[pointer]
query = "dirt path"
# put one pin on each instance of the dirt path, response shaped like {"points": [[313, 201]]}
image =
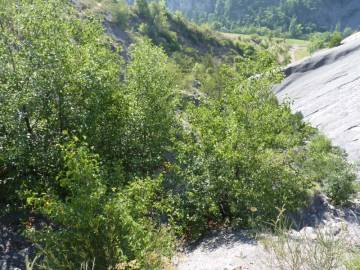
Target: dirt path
{"points": [[297, 52]]}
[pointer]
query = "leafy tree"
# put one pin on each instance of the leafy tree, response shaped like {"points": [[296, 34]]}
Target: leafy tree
{"points": [[142, 8], [53, 86], [229, 154], [295, 29], [119, 10], [277, 16], [135, 132], [244, 155], [238, 160], [335, 39], [151, 81], [327, 166], [57, 75], [95, 229], [159, 13], [325, 40]]}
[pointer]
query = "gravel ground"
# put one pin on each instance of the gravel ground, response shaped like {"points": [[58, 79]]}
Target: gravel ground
{"points": [[225, 250], [14, 247], [236, 250]]}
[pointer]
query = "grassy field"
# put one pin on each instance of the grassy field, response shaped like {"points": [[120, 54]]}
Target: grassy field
{"points": [[299, 42], [297, 48], [301, 53]]}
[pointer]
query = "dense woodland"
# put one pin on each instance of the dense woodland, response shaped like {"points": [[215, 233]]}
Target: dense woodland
{"points": [[125, 149], [296, 18]]}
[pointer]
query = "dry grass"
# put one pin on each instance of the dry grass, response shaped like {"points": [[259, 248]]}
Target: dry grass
{"points": [[330, 247], [310, 252]]}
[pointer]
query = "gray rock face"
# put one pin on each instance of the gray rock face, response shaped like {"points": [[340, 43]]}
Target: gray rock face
{"points": [[13, 250], [14, 247], [325, 88]]}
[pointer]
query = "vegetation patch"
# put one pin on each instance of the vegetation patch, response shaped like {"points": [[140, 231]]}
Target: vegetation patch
{"points": [[120, 161]]}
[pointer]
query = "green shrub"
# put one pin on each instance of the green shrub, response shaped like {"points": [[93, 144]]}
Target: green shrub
{"points": [[142, 8], [325, 40], [243, 155], [119, 10], [70, 77], [335, 40], [151, 84], [157, 27], [246, 48], [328, 166], [233, 158], [237, 163], [112, 230]]}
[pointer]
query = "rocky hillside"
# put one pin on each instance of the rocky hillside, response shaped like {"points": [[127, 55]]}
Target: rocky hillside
{"points": [[174, 33]]}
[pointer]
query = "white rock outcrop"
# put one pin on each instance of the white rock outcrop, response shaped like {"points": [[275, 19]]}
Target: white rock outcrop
{"points": [[325, 88]]}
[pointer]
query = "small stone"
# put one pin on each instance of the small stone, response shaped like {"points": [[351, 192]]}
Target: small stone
{"points": [[308, 233]]}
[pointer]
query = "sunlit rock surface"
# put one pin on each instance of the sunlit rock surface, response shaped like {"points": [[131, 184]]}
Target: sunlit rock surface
{"points": [[325, 88]]}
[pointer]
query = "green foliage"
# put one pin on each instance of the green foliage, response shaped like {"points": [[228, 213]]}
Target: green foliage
{"points": [[318, 41], [116, 11], [57, 73], [119, 11], [295, 18], [174, 33], [142, 8], [135, 130], [295, 29], [228, 155], [354, 262], [111, 231], [151, 83], [243, 155], [238, 159], [328, 166], [325, 40], [335, 39], [156, 24], [53, 85]]}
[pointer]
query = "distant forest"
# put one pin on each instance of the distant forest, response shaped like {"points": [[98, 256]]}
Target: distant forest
{"points": [[295, 17]]}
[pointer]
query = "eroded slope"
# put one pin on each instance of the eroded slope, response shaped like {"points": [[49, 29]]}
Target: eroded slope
{"points": [[325, 88]]}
